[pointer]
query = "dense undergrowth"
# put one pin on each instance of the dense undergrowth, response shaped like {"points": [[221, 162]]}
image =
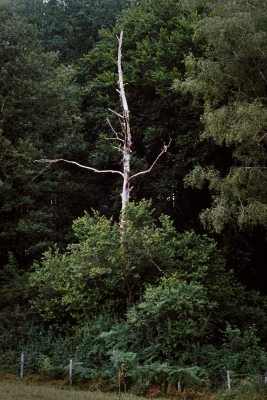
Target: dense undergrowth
{"points": [[100, 348], [160, 302]]}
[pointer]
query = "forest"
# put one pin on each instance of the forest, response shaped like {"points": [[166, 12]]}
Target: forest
{"points": [[180, 293]]}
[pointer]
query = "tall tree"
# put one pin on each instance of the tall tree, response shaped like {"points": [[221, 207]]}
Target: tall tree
{"points": [[39, 113], [123, 137], [231, 77], [157, 37]]}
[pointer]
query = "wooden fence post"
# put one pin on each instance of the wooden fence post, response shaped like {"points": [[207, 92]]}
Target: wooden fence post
{"points": [[121, 379], [22, 365], [228, 380], [70, 372]]}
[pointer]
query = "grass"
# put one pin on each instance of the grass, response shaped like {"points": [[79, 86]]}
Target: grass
{"points": [[16, 389], [12, 388]]}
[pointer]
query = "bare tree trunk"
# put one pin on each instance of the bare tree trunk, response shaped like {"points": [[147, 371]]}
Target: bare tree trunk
{"points": [[127, 143], [126, 129]]}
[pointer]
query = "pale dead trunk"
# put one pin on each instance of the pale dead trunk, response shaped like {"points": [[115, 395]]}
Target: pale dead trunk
{"points": [[125, 139], [125, 142], [126, 130]]}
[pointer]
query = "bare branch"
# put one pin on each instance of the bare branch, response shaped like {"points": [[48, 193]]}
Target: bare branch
{"points": [[153, 262], [262, 137], [259, 168], [40, 173], [113, 59], [118, 148], [113, 130], [114, 112], [164, 149], [3, 105], [263, 77], [79, 165], [114, 138]]}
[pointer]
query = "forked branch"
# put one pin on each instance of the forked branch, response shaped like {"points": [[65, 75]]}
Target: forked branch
{"points": [[163, 150]]}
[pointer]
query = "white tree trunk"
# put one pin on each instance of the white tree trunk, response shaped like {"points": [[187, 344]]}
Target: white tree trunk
{"points": [[127, 143], [126, 130]]}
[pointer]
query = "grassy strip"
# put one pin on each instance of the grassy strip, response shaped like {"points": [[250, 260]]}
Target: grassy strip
{"points": [[18, 390]]}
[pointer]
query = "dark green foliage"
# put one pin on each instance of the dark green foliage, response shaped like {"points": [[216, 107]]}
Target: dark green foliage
{"points": [[171, 318], [104, 343], [104, 269], [178, 293], [101, 268], [70, 28], [231, 79], [43, 351], [166, 303], [242, 352], [39, 118]]}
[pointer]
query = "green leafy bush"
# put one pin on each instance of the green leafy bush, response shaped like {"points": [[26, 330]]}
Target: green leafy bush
{"points": [[171, 316]]}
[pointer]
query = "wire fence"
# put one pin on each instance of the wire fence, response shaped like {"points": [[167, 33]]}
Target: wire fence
{"points": [[228, 377]]}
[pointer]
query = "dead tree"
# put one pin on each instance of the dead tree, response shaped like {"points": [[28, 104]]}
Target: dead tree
{"points": [[124, 138]]}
